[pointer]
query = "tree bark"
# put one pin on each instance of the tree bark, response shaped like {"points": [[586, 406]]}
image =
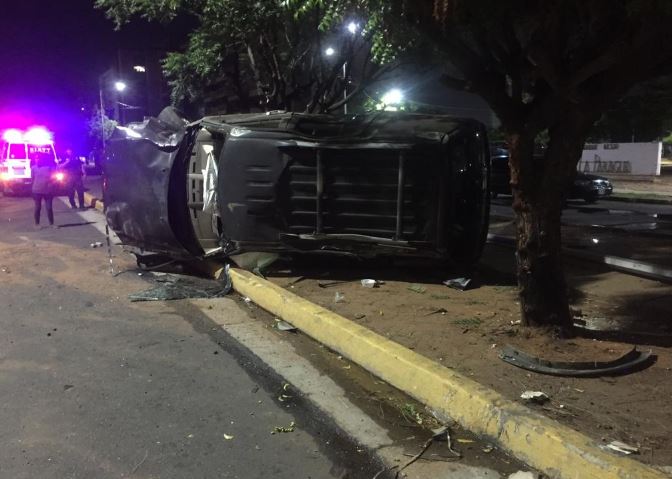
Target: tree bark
{"points": [[539, 187]]}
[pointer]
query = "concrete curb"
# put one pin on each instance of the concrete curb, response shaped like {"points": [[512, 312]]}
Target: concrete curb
{"points": [[94, 202], [544, 444]]}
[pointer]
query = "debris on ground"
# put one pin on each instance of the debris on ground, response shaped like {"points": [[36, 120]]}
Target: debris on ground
{"points": [[228, 437], [281, 325], [443, 434], [371, 283], [437, 311], [281, 429], [339, 297], [524, 475], [256, 262], [630, 362], [622, 447], [329, 284], [96, 244], [458, 283], [295, 281], [417, 288], [537, 397], [176, 286]]}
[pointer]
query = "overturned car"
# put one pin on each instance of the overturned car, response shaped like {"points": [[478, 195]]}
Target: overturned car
{"points": [[380, 184]]}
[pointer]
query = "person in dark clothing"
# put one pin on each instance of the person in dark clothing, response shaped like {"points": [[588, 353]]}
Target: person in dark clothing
{"points": [[43, 170], [75, 171]]}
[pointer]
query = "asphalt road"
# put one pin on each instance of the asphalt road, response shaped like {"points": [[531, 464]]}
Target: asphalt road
{"points": [[632, 217], [95, 386]]}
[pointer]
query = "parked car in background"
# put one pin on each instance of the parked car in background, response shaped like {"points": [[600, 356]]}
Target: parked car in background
{"points": [[380, 184], [587, 187]]}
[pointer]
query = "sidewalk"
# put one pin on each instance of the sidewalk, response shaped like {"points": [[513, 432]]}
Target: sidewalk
{"points": [[657, 190]]}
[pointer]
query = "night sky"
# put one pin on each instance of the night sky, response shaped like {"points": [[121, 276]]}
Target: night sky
{"points": [[51, 56]]}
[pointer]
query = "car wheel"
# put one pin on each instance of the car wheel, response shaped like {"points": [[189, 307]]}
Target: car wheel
{"points": [[590, 199]]}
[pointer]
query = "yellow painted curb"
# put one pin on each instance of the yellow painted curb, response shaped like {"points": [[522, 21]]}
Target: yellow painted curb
{"points": [[89, 199], [550, 447]]}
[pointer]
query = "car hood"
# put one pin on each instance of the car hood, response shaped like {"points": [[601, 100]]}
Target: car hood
{"points": [[589, 177]]}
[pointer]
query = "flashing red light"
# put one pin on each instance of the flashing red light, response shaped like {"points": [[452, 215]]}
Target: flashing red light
{"points": [[12, 136], [59, 177], [36, 136]]}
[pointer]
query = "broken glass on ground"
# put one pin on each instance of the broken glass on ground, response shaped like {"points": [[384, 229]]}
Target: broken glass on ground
{"points": [[178, 286]]}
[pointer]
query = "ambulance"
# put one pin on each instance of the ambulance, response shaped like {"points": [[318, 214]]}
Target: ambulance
{"points": [[18, 151]]}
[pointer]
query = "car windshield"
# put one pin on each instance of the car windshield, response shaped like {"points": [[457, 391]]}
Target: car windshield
{"points": [[495, 151], [17, 151]]}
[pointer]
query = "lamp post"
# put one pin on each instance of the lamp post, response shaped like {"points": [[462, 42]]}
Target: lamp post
{"points": [[119, 86], [331, 52], [352, 28]]}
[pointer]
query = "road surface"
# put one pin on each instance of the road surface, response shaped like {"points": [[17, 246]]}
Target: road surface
{"points": [[93, 385]]}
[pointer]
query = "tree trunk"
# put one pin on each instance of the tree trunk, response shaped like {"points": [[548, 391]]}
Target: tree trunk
{"points": [[539, 188]]}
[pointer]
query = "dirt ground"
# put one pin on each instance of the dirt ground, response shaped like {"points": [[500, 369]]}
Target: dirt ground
{"points": [[465, 330]]}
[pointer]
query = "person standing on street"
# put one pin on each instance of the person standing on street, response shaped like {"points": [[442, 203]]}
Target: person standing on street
{"points": [[43, 170], [74, 169]]}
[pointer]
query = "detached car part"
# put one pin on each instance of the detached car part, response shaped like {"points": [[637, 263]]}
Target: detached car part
{"points": [[380, 184], [633, 360]]}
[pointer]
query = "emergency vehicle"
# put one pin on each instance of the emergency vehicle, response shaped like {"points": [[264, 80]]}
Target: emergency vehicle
{"points": [[18, 151]]}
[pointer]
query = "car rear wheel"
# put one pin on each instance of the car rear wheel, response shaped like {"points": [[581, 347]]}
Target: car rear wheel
{"points": [[590, 199]]}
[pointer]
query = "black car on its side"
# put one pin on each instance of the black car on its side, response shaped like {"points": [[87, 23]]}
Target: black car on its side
{"points": [[377, 184], [587, 187]]}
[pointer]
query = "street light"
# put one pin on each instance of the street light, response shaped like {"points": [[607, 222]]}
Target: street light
{"points": [[352, 27], [393, 97], [119, 86], [330, 52]]}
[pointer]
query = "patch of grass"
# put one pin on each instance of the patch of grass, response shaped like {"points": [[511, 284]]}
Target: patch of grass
{"points": [[417, 288], [504, 289], [470, 322], [411, 414]]}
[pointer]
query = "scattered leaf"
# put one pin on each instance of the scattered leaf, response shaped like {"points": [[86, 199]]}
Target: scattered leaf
{"points": [[282, 429]]}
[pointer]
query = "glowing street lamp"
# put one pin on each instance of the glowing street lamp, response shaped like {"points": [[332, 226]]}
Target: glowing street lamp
{"points": [[119, 86], [330, 52], [352, 27], [393, 97]]}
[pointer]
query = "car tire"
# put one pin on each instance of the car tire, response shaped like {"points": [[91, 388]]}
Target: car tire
{"points": [[590, 199]]}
